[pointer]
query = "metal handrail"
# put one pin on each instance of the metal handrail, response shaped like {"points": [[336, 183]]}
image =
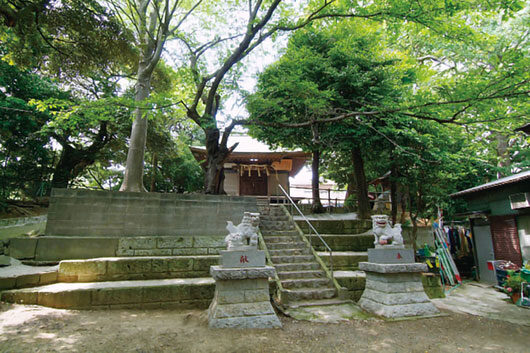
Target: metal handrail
{"points": [[311, 228]]}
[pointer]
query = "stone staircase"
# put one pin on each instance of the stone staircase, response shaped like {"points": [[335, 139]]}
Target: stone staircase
{"points": [[301, 277], [350, 241], [118, 282]]}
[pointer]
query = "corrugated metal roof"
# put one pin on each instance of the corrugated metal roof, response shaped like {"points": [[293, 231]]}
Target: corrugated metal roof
{"points": [[493, 184]]}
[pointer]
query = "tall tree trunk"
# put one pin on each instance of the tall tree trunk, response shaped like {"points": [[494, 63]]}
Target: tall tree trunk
{"points": [[315, 187], [154, 164], [134, 168], [216, 156], [71, 163], [502, 154], [152, 30], [363, 203]]}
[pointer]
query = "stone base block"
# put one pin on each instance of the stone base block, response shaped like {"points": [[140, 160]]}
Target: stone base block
{"points": [[397, 255], [393, 292], [242, 258], [242, 315], [398, 311], [221, 273], [392, 268], [242, 298], [259, 321]]}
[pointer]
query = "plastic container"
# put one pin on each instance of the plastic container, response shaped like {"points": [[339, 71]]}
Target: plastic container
{"points": [[525, 274]]}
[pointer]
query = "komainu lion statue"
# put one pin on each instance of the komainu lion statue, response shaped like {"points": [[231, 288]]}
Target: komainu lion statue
{"points": [[245, 234], [384, 233]]}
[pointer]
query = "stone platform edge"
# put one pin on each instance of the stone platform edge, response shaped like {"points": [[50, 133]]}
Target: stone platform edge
{"points": [[392, 268], [223, 273]]}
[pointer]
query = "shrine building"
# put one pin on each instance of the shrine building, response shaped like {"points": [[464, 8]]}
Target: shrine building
{"points": [[254, 170]]}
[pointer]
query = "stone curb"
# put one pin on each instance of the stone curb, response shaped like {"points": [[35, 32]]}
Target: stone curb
{"points": [[392, 268], [218, 272]]}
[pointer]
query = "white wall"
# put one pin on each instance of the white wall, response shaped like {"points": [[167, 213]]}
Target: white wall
{"points": [[231, 183]]}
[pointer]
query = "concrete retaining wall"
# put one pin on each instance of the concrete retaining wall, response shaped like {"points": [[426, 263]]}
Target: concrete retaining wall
{"points": [[90, 213], [50, 248]]}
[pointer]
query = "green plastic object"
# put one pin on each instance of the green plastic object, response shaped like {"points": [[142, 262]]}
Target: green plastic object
{"points": [[525, 274]]}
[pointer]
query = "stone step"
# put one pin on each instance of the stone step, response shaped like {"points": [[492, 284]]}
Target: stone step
{"points": [[272, 225], [295, 295], [292, 259], [281, 233], [301, 274], [272, 209], [306, 283], [300, 266], [290, 252], [27, 276], [287, 245], [343, 242], [321, 302], [336, 226], [272, 212], [275, 215], [136, 268], [189, 292], [269, 239], [344, 260], [351, 282]]}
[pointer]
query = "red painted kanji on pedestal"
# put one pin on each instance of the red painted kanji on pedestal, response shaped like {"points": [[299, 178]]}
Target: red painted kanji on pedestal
{"points": [[243, 259]]}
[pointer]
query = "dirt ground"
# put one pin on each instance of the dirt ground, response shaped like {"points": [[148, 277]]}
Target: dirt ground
{"points": [[39, 329]]}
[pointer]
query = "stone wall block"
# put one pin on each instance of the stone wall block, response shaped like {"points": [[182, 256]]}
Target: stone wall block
{"points": [[117, 296], [258, 295], [397, 311], [393, 278], [20, 297], [157, 294], [209, 242], [22, 248], [153, 252], [124, 252], [230, 297], [191, 251], [174, 242], [65, 300], [180, 264], [179, 293], [263, 321], [160, 265], [27, 280], [7, 283], [214, 251], [137, 243], [71, 268], [395, 298], [235, 284], [129, 266], [395, 287], [204, 263], [202, 292]]}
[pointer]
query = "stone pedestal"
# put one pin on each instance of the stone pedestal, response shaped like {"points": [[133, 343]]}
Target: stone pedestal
{"points": [[242, 258], [395, 290], [242, 298]]}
